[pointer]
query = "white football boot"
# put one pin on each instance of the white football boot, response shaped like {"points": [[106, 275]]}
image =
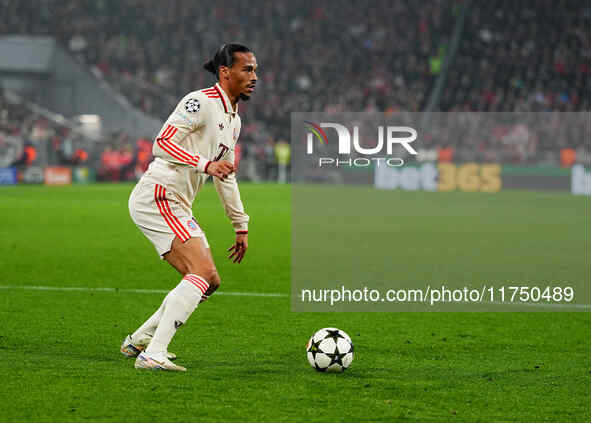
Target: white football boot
{"points": [[146, 361], [132, 350]]}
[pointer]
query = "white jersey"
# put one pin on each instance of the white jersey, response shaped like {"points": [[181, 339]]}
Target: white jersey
{"points": [[202, 128]]}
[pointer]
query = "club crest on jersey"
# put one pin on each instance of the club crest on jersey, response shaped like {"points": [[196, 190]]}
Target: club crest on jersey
{"points": [[192, 105], [192, 225], [221, 125]]}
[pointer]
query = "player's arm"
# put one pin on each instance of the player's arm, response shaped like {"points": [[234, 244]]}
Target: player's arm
{"points": [[229, 195], [187, 117]]}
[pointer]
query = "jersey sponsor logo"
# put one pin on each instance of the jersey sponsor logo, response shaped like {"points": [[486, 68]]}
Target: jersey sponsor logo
{"points": [[192, 225], [192, 105]]}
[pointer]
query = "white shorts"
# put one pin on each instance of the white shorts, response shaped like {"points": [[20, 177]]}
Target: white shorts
{"points": [[160, 216]]}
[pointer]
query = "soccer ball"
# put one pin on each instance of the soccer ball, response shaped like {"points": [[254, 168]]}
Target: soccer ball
{"points": [[330, 350]]}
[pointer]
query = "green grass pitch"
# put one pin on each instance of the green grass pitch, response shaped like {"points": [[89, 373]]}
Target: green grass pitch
{"points": [[59, 349]]}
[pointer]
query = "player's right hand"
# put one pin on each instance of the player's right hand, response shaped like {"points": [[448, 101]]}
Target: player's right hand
{"points": [[221, 169]]}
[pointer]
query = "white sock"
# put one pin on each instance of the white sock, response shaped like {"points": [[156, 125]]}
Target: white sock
{"points": [[146, 330], [180, 303]]}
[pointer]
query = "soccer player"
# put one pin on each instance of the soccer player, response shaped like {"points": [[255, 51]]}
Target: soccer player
{"points": [[197, 140]]}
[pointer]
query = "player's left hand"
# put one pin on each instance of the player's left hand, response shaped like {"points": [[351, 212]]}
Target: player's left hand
{"points": [[239, 248]]}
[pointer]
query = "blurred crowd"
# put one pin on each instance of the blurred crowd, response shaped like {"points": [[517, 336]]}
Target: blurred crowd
{"points": [[328, 56], [542, 138], [29, 139], [523, 56], [313, 55]]}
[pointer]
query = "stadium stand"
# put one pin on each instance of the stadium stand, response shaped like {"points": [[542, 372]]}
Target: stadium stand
{"points": [[345, 50], [334, 56], [523, 56]]}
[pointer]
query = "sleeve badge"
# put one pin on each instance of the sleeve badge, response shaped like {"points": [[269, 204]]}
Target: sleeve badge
{"points": [[192, 105]]}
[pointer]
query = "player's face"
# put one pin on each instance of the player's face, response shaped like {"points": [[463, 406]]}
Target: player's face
{"points": [[243, 77]]}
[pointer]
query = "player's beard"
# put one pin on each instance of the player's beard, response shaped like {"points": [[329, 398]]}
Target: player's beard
{"points": [[244, 97]]}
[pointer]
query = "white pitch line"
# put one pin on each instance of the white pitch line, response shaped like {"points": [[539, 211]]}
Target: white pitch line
{"points": [[247, 294], [135, 291]]}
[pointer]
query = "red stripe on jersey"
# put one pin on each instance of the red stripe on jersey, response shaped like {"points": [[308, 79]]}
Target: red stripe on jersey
{"points": [[171, 134], [159, 195], [173, 218], [165, 136], [156, 199], [170, 149], [176, 220], [166, 131], [208, 90], [193, 159], [173, 149], [163, 133], [222, 97]]}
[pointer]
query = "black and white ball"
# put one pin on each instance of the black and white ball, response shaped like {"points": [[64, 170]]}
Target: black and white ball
{"points": [[330, 350]]}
